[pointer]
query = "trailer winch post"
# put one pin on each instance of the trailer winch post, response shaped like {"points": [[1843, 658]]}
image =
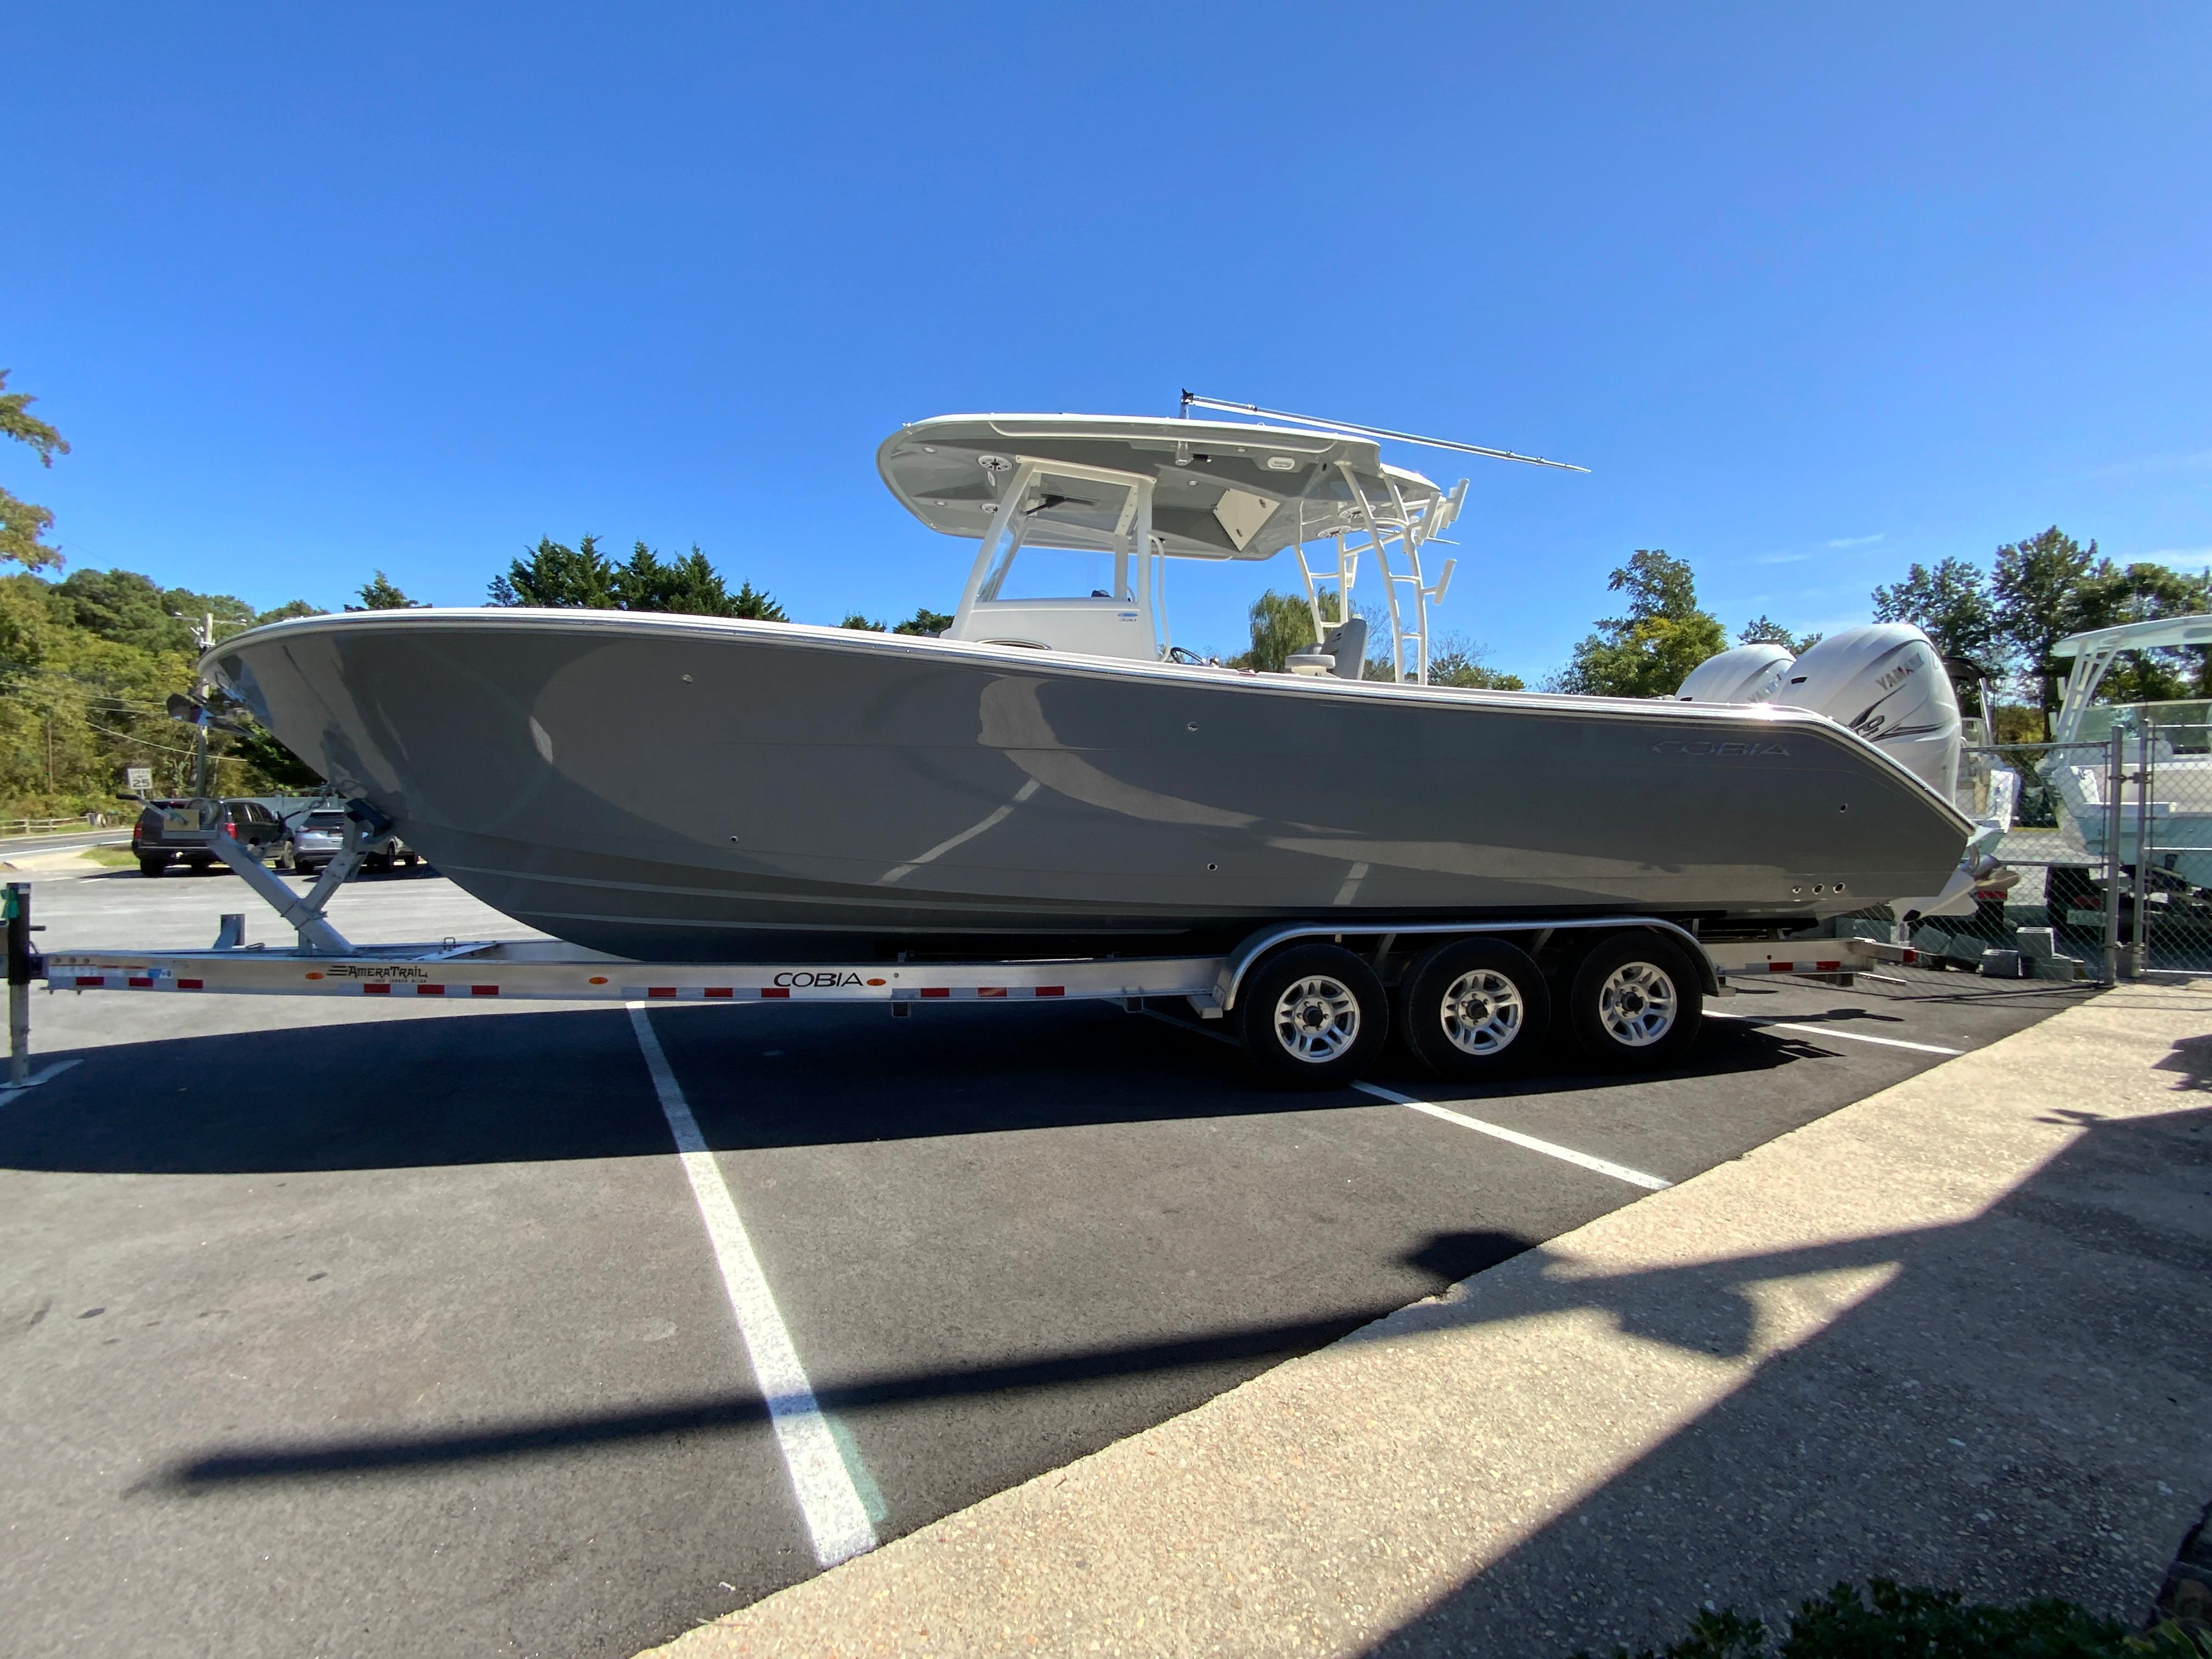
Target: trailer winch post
{"points": [[22, 968]]}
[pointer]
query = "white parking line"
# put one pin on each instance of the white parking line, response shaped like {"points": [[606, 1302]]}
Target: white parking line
{"points": [[1831, 1031], [836, 1519], [1514, 1137]]}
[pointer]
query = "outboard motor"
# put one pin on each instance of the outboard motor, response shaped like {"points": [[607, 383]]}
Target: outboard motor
{"points": [[1750, 673], [1885, 682]]}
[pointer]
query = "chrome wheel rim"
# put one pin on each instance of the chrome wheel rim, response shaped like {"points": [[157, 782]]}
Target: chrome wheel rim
{"points": [[1639, 1005], [1316, 1019], [1483, 1012]]}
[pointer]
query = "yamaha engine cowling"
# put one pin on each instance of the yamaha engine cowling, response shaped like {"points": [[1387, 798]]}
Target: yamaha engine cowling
{"points": [[1885, 682]]}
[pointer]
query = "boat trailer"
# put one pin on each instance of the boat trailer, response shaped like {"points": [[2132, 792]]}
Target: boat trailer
{"points": [[324, 963]]}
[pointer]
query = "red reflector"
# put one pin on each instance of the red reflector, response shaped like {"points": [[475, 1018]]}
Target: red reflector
{"points": [[937, 990], [141, 984], [660, 990], [1779, 968], [375, 987], [775, 991], [188, 984], [91, 979], [1827, 967], [1051, 990], [720, 990], [484, 990], [990, 990], [430, 990]]}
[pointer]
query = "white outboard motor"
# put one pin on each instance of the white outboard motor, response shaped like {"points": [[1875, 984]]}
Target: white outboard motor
{"points": [[1749, 673], [1887, 683]]}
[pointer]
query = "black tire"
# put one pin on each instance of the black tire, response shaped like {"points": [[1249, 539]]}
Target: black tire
{"points": [[152, 866], [1475, 1010], [1313, 1017], [1635, 1001], [199, 867], [286, 858]]}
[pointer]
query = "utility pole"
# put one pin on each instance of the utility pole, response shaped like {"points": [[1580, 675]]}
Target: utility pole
{"points": [[200, 694]]}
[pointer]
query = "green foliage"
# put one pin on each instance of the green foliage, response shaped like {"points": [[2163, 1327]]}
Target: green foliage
{"points": [[558, 577], [23, 524], [1281, 623], [378, 593], [1764, 630], [583, 578], [1951, 604], [1891, 1622], [1454, 659], [2040, 590], [86, 666], [854, 620], [924, 621], [1652, 650]]}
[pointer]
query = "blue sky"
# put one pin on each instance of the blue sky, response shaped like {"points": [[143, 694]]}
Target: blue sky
{"points": [[1815, 293]]}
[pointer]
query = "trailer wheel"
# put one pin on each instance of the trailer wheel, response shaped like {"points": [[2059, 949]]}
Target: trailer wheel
{"points": [[152, 866], [1476, 1009], [1313, 1017], [1635, 1001]]}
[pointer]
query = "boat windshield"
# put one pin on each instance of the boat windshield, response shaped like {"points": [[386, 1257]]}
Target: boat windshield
{"points": [[1058, 573]]}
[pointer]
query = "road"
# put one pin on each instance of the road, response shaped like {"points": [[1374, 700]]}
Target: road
{"points": [[354, 1327]]}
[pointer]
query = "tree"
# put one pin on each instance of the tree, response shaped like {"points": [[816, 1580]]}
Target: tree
{"points": [[1952, 605], [23, 524], [1764, 630], [924, 621], [1649, 651], [378, 593], [583, 578], [559, 577], [2037, 586], [1454, 659], [854, 620], [2144, 592]]}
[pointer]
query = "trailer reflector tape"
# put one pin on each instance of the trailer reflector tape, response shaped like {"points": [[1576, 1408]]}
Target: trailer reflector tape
{"points": [[188, 984], [990, 990], [775, 990], [430, 990], [1051, 990], [721, 991], [376, 987], [484, 990], [140, 984], [86, 981], [937, 990], [660, 990]]}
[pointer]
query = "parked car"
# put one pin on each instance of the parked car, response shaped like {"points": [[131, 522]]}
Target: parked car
{"points": [[319, 835], [246, 821]]}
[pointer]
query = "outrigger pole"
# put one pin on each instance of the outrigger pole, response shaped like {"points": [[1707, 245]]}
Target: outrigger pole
{"points": [[1191, 400]]}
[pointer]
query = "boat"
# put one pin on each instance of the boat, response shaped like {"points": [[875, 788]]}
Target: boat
{"points": [[1887, 683], [1055, 774], [2161, 807]]}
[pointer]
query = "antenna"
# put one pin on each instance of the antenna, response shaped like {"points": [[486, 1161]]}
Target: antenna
{"points": [[1191, 400]]}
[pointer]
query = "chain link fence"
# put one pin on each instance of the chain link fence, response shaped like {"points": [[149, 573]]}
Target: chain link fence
{"points": [[2109, 854]]}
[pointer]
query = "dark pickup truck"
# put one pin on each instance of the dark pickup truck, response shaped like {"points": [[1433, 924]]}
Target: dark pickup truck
{"points": [[248, 821]]}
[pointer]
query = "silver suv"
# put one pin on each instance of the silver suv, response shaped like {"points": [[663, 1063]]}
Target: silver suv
{"points": [[318, 837]]}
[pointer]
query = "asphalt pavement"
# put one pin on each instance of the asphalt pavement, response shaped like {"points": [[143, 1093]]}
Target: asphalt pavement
{"points": [[355, 1327]]}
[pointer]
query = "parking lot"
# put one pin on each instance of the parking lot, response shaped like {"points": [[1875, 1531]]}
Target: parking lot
{"points": [[349, 1326]]}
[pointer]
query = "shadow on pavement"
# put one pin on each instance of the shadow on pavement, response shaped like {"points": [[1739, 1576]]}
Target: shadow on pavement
{"points": [[508, 1087], [2020, 1411]]}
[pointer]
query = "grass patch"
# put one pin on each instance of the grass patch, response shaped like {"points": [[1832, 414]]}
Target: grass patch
{"points": [[112, 858]]}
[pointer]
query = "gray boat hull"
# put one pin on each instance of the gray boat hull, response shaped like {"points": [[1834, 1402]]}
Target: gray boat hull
{"points": [[686, 789]]}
